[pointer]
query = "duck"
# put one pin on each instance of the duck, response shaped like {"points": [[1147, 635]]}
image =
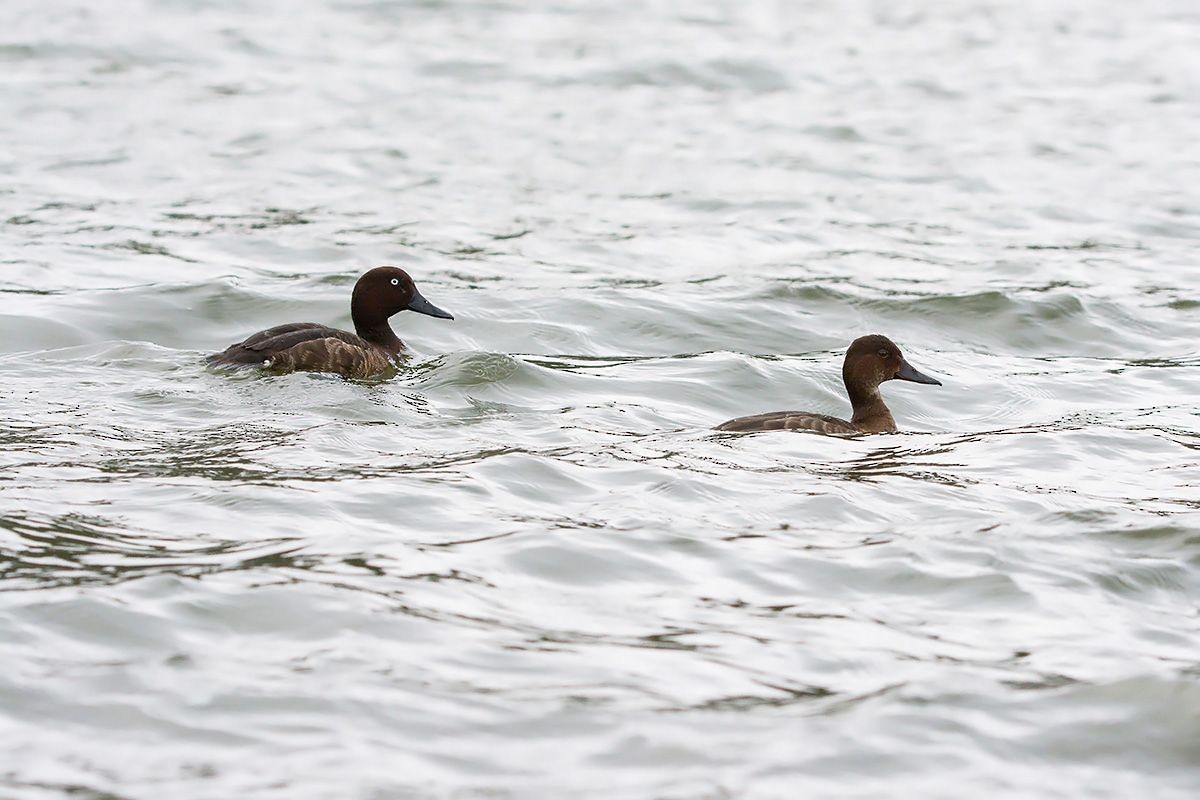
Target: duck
{"points": [[870, 360], [310, 347]]}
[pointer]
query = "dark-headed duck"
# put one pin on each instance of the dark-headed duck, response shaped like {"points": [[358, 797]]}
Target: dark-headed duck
{"points": [[309, 347], [870, 361]]}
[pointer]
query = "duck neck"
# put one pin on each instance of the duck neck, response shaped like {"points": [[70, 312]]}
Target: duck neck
{"points": [[871, 414], [373, 326], [381, 334]]}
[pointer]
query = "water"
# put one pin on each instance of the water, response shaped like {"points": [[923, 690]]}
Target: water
{"points": [[525, 566]]}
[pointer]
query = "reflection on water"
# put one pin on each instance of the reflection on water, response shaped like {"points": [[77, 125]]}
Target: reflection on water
{"points": [[76, 549], [525, 565]]}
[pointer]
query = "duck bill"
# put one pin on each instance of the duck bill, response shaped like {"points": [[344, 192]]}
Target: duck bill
{"points": [[422, 306], [908, 373]]}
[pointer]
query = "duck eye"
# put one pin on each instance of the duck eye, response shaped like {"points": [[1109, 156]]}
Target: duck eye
{"points": [[396, 282], [883, 353]]}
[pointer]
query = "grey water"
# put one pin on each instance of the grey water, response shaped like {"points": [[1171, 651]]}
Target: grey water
{"points": [[525, 566]]}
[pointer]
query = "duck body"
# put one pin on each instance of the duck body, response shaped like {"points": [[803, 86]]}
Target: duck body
{"points": [[870, 361], [310, 347], [791, 421]]}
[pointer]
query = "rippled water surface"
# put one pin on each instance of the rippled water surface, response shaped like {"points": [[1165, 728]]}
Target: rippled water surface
{"points": [[525, 565]]}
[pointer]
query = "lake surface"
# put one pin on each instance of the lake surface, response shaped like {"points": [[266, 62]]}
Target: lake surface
{"points": [[525, 566]]}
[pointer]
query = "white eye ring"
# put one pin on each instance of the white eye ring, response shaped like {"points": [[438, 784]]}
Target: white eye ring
{"points": [[395, 281]]}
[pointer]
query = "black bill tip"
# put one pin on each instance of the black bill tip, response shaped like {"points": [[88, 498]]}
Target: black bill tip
{"points": [[908, 373], [422, 306]]}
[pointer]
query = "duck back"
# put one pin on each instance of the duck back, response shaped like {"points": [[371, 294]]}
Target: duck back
{"points": [[790, 420], [268, 344], [307, 347]]}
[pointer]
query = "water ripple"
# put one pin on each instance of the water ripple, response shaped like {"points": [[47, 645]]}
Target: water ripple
{"points": [[529, 541]]}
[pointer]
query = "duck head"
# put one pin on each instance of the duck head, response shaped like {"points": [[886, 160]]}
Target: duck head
{"points": [[385, 291], [871, 360]]}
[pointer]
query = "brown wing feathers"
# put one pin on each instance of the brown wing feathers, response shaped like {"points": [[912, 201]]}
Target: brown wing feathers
{"points": [[331, 354], [790, 420], [272, 344]]}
